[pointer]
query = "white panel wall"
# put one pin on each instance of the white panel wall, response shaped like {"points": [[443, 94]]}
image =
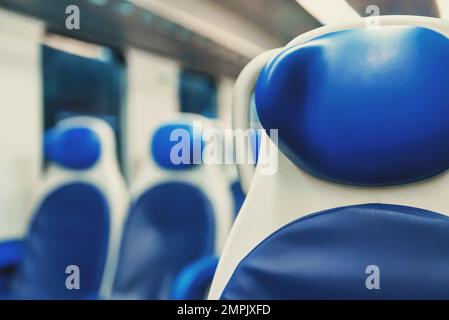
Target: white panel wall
{"points": [[152, 93], [225, 89], [20, 119]]}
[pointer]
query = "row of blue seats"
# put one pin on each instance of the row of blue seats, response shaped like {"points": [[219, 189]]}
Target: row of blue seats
{"points": [[356, 208], [91, 238]]}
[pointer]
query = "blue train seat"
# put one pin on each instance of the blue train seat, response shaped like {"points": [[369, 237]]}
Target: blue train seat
{"points": [[357, 208], [181, 212], [71, 247]]}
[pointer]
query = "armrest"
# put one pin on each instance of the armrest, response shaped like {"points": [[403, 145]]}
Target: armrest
{"points": [[193, 282], [11, 253]]}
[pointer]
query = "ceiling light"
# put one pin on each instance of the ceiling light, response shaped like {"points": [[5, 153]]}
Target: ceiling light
{"points": [[329, 11]]}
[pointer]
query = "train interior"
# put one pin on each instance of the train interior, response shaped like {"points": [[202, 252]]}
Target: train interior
{"points": [[226, 149]]}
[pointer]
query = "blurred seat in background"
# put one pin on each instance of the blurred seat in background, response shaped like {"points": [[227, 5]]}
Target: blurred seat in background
{"points": [[180, 213], [78, 211]]}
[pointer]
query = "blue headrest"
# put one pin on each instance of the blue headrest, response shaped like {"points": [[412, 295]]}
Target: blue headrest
{"points": [[176, 146], [362, 107], [74, 148]]}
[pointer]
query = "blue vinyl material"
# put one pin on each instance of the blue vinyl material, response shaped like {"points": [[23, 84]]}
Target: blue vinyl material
{"points": [[325, 256], [168, 227], [194, 280], [73, 148], [11, 253], [70, 227], [361, 107], [180, 140]]}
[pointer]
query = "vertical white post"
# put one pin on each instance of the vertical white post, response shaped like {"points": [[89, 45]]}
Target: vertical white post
{"points": [[152, 94], [20, 120]]}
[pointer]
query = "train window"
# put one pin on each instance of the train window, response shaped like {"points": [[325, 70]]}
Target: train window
{"points": [[198, 93]]}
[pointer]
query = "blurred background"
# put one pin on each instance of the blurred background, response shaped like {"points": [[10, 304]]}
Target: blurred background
{"points": [[133, 62]]}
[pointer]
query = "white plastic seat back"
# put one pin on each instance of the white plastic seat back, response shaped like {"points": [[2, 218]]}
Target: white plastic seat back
{"points": [[180, 212], [71, 248]]}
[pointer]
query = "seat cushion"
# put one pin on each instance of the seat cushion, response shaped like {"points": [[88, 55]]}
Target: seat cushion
{"points": [[372, 251], [361, 107], [70, 227], [168, 227]]}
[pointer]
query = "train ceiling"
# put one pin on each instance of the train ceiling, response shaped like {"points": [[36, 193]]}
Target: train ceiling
{"points": [[219, 36]]}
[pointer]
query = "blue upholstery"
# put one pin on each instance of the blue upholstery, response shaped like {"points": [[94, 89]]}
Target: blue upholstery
{"points": [[11, 253], [168, 227], [194, 280], [73, 148], [325, 256], [70, 227], [362, 107], [180, 140]]}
